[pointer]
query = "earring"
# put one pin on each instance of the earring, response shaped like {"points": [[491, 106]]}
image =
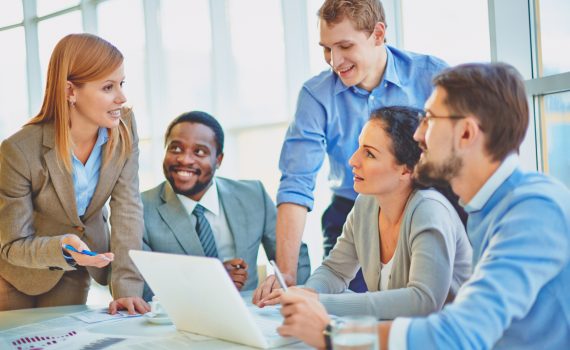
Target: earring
{"points": [[72, 102]]}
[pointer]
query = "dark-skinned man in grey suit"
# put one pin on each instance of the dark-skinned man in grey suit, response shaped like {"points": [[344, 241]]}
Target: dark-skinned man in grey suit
{"points": [[240, 215]]}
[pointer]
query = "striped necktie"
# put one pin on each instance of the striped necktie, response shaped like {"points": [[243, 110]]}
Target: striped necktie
{"points": [[204, 231]]}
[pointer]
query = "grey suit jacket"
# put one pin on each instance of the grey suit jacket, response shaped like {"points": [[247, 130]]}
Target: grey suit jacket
{"points": [[37, 206], [431, 261], [251, 217]]}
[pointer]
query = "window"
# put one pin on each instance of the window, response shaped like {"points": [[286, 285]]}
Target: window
{"points": [[13, 85], [188, 57], [456, 31], [551, 86], [554, 35], [555, 126], [259, 54], [317, 58], [46, 7], [130, 40], [51, 31], [11, 12]]}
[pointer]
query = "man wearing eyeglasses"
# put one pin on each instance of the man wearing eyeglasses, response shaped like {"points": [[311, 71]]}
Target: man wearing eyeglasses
{"points": [[332, 109], [519, 226]]}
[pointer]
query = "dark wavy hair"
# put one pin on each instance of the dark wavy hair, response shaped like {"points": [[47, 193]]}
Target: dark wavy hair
{"points": [[400, 124]]}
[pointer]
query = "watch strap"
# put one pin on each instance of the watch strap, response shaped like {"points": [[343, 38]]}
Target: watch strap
{"points": [[327, 333]]}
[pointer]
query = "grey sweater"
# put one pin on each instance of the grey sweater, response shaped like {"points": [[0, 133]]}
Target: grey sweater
{"points": [[431, 261]]}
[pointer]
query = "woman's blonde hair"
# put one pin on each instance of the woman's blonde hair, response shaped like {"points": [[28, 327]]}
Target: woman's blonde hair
{"points": [[79, 59]]}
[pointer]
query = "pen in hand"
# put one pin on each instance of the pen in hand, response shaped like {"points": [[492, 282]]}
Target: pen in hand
{"points": [[279, 276], [84, 252]]}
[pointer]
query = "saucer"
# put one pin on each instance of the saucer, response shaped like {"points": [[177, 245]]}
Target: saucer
{"points": [[157, 319]]}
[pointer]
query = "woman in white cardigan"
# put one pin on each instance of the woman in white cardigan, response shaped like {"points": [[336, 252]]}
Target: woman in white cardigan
{"points": [[409, 241]]}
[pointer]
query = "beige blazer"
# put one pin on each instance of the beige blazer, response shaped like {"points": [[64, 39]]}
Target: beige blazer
{"points": [[37, 206]]}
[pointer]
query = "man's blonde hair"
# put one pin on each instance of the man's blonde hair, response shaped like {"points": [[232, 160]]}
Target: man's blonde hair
{"points": [[364, 14]]}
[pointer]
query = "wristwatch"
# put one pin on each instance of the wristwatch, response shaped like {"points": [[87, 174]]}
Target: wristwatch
{"points": [[327, 333]]}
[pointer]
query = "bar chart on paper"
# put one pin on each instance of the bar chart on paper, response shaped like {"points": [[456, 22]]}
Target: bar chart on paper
{"points": [[38, 342], [64, 340]]}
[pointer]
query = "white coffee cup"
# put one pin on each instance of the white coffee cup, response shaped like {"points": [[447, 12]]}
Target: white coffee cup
{"points": [[156, 308]]}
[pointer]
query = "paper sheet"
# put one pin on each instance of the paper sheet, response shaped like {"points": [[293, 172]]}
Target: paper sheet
{"points": [[94, 316], [182, 340], [62, 339]]}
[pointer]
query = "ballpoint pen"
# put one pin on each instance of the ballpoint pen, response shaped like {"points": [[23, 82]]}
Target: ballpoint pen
{"points": [[84, 252], [279, 276]]}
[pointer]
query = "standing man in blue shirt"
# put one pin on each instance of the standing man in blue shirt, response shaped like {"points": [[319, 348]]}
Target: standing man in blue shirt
{"points": [[519, 226], [332, 109]]}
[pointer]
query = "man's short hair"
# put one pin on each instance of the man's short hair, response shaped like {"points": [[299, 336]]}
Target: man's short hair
{"points": [[364, 14], [495, 94], [200, 118]]}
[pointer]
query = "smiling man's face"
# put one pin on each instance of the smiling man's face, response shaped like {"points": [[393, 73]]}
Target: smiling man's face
{"points": [[351, 53], [190, 161]]}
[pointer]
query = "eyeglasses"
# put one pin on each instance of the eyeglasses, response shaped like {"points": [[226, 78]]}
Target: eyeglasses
{"points": [[424, 117]]}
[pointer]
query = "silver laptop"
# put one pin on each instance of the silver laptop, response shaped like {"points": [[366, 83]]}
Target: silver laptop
{"points": [[200, 297]]}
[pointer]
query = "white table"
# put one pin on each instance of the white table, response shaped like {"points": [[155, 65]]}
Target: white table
{"points": [[139, 333]]}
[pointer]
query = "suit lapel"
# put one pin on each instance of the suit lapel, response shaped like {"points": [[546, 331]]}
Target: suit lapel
{"points": [[180, 223], [107, 178], [235, 214], [60, 178]]}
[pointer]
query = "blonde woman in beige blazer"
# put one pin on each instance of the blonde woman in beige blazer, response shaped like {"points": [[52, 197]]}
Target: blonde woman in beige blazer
{"points": [[82, 122]]}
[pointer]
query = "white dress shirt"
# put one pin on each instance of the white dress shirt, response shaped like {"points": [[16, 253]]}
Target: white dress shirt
{"points": [[216, 217]]}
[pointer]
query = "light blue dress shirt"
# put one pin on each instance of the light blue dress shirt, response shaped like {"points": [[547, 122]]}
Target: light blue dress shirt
{"points": [[330, 116], [86, 177], [517, 297]]}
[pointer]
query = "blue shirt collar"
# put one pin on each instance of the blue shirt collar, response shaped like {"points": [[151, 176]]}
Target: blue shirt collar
{"points": [[390, 75], [102, 137], [505, 170], [339, 85]]}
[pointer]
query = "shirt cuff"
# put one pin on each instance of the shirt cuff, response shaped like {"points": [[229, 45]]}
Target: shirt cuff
{"points": [[398, 337], [295, 198]]}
